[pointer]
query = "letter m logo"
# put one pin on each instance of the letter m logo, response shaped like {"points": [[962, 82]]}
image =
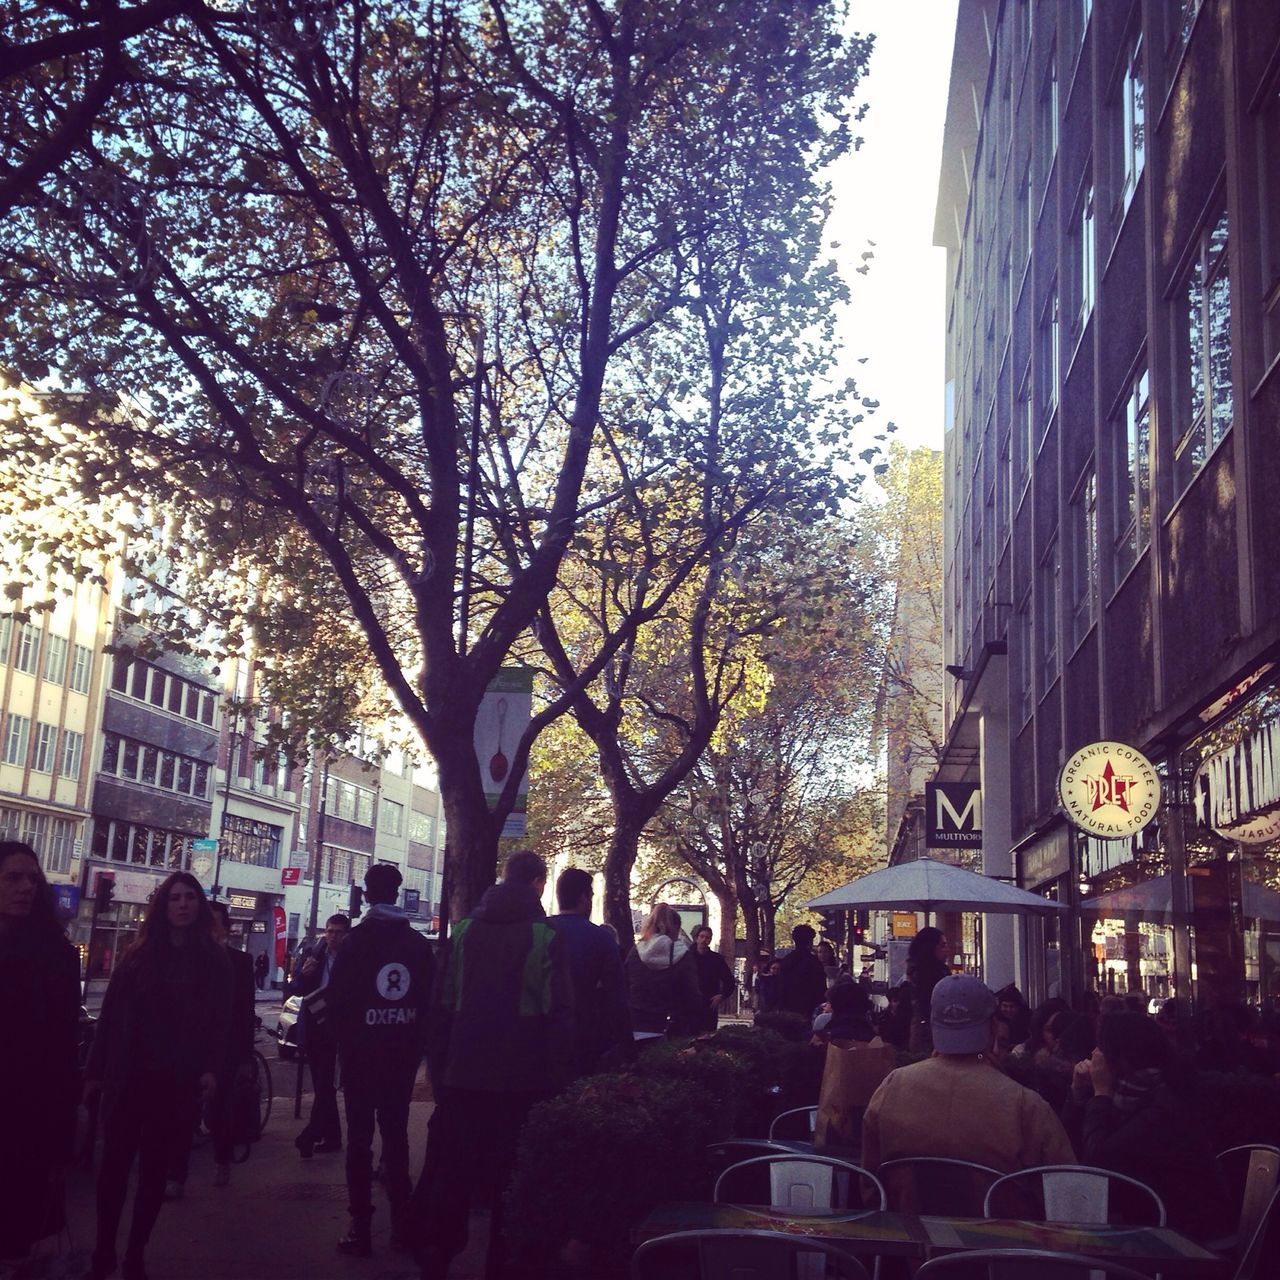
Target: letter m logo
{"points": [[953, 813]]}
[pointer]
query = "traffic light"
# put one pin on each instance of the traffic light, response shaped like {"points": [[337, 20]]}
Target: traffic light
{"points": [[104, 892], [357, 901], [860, 935]]}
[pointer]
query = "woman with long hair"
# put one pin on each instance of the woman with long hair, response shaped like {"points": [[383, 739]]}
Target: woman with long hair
{"points": [[926, 963], [161, 1039], [662, 979], [39, 1078]]}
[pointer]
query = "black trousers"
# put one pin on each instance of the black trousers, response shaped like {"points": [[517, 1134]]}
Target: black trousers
{"points": [[150, 1119], [324, 1125], [378, 1096], [472, 1139]]}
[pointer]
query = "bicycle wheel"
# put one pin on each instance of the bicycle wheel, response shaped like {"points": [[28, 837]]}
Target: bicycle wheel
{"points": [[263, 1073]]}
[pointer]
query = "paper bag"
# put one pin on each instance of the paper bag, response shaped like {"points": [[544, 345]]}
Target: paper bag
{"points": [[852, 1073]]}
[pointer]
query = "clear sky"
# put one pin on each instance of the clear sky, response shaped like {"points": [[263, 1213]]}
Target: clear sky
{"points": [[886, 192]]}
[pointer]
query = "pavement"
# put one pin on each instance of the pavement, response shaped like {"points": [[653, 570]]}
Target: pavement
{"points": [[281, 1216]]}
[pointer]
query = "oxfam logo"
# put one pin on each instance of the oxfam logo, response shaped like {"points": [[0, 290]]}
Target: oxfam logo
{"points": [[393, 981]]}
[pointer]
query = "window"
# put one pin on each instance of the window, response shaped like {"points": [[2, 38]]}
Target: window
{"points": [[55, 659], [158, 689], [1048, 122], [1022, 643], [1132, 469], [246, 840], [138, 672], [1047, 592], [35, 830], [28, 648], [46, 742], [1182, 16], [1081, 248], [81, 668], [6, 636], [1024, 221], [1084, 557], [391, 818], [1202, 351], [1026, 428], [72, 751], [1131, 124], [17, 735], [422, 827], [60, 845], [1047, 355], [120, 673]]}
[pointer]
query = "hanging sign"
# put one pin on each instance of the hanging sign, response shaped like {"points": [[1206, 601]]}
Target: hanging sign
{"points": [[1109, 789], [503, 717], [282, 929], [953, 815]]}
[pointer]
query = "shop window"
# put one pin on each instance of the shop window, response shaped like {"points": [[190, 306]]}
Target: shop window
{"points": [[1202, 353]]}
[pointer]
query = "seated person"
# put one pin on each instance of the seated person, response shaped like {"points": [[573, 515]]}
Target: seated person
{"points": [[845, 1016], [958, 1104]]}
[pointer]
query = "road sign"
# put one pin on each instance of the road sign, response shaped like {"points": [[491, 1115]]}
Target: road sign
{"points": [[204, 846]]}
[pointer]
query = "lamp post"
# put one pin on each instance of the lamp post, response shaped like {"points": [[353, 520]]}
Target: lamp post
{"points": [[319, 847]]}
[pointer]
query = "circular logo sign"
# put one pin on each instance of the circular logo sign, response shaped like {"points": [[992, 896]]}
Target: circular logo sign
{"points": [[1109, 789], [393, 981]]}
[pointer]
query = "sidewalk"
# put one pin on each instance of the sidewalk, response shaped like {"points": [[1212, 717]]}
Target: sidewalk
{"points": [[280, 1217]]}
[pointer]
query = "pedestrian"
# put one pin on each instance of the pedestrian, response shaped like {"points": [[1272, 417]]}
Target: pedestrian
{"points": [[804, 983], [768, 984], [237, 1065], [846, 1015], [662, 979], [323, 1131], [39, 1075], [715, 981], [260, 970], [601, 1024], [492, 1057], [160, 1042], [379, 997], [926, 963]]}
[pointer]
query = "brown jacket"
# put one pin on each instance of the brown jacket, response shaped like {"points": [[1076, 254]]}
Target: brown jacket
{"points": [[963, 1109]]}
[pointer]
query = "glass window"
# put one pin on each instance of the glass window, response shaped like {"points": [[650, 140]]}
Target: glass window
{"points": [[46, 743], [248, 841], [81, 668], [207, 707], [364, 807], [177, 689], [168, 769], [200, 781], [28, 652], [1202, 352], [35, 830], [138, 679], [110, 753], [1132, 124], [1132, 464], [193, 702], [138, 841], [186, 770], [1047, 592], [16, 739], [158, 690], [150, 764], [120, 673], [72, 751], [129, 760], [1182, 15], [58, 850], [391, 818], [6, 636], [1083, 247], [1025, 660], [1047, 370], [1084, 557], [1048, 122], [422, 827], [55, 659]]}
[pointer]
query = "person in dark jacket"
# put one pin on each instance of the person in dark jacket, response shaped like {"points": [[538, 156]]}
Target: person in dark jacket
{"points": [[379, 998], [323, 1130], [662, 979], [237, 1065], [715, 982], [161, 1041], [501, 1039], [260, 967], [804, 981], [601, 1023], [1129, 1120], [926, 963], [847, 1015], [39, 1077]]}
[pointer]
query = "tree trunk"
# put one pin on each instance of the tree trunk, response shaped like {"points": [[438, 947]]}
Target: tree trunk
{"points": [[728, 924], [624, 845], [471, 850]]}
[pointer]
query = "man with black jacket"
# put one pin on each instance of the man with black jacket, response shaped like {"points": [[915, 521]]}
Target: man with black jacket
{"points": [[378, 997], [323, 1131]]}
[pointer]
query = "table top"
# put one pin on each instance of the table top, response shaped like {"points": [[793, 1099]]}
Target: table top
{"points": [[915, 1236]]}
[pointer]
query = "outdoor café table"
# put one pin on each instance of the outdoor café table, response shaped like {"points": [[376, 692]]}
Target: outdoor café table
{"points": [[912, 1236]]}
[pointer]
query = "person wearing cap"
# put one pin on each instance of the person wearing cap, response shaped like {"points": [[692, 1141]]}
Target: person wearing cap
{"points": [[957, 1104], [379, 997]]}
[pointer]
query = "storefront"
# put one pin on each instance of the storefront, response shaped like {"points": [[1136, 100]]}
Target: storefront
{"points": [[1045, 867], [102, 934]]}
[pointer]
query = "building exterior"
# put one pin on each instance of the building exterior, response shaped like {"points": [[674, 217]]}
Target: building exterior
{"points": [[1110, 203]]}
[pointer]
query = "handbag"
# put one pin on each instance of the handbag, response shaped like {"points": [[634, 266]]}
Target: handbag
{"points": [[851, 1073]]}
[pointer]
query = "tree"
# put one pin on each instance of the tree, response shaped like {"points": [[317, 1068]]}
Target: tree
{"points": [[370, 276]]}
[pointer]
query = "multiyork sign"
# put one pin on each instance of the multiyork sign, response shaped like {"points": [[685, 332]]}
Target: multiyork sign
{"points": [[1237, 791], [1109, 789], [953, 815]]}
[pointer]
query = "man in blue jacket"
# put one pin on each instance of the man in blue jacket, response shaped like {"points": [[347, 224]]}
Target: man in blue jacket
{"points": [[501, 1040], [379, 995]]}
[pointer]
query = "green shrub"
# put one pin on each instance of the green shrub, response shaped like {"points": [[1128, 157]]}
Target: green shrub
{"points": [[790, 1026]]}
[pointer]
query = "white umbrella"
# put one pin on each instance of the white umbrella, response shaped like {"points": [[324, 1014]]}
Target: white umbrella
{"points": [[928, 885]]}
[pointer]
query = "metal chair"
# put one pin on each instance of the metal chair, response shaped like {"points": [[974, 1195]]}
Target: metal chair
{"points": [[1074, 1193], [1261, 1257], [1023, 1264], [1251, 1173], [742, 1255], [800, 1182], [721, 1155], [789, 1121], [937, 1185]]}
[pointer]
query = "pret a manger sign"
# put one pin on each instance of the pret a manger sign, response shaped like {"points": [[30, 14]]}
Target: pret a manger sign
{"points": [[1109, 789]]}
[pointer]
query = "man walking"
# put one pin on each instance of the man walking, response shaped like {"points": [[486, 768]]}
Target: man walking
{"points": [[323, 1132], [379, 997], [803, 979], [714, 979], [601, 1021], [501, 1040]]}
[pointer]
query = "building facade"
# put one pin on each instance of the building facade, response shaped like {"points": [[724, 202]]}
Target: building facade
{"points": [[1110, 205]]}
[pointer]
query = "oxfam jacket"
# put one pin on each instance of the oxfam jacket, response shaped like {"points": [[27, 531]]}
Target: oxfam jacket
{"points": [[503, 1017], [379, 991]]}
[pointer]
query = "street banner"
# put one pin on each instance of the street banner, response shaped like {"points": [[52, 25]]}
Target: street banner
{"points": [[281, 930], [504, 715]]}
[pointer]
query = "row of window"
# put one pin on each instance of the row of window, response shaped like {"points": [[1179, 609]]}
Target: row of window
{"points": [[248, 841], [339, 866], [22, 643], [21, 746], [141, 846], [141, 762], [52, 838], [146, 682], [349, 801]]}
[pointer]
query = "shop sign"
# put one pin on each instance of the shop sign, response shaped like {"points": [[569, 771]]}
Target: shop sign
{"points": [[131, 886], [245, 901], [953, 815], [1237, 791], [904, 924], [1100, 856], [1234, 694], [290, 875], [1045, 860], [1109, 789]]}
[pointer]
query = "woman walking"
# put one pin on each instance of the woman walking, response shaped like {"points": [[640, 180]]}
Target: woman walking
{"points": [[926, 964], [161, 1039], [39, 1077], [662, 979]]}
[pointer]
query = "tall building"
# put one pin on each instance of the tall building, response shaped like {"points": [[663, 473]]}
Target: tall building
{"points": [[1110, 205]]}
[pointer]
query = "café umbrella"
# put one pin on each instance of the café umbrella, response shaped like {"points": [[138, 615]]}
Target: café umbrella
{"points": [[925, 884]]}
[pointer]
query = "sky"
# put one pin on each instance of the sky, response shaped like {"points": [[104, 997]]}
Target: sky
{"points": [[886, 193]]}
